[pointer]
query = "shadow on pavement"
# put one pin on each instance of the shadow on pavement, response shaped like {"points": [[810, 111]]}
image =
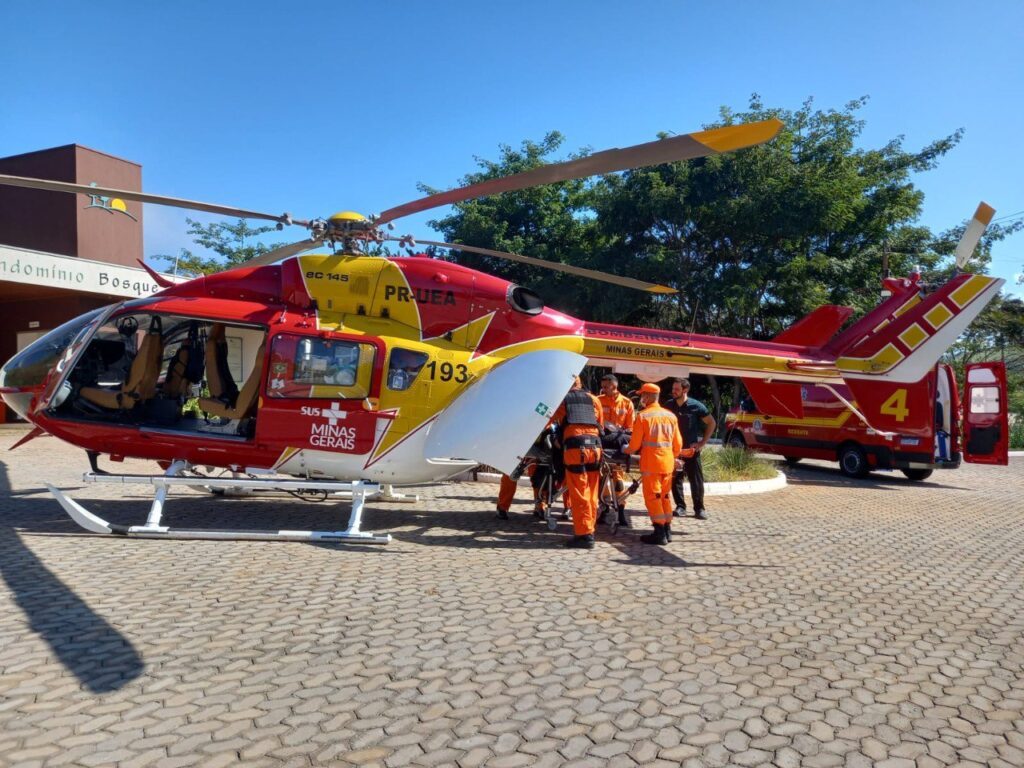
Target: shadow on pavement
{"points": [[96, 653], [670, 555], [461, 528], [831, 477]]}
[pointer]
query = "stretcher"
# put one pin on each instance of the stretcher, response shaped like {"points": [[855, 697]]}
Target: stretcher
{"points": [[545, 464], [614, 491], [542, 464]]}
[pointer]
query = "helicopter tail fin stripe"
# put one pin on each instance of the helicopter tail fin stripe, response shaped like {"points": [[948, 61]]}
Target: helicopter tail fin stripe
{"points": [[905, 347]]}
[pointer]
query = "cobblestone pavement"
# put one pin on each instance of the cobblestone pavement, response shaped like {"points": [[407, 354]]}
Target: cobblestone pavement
{"points": [[833, 623]]}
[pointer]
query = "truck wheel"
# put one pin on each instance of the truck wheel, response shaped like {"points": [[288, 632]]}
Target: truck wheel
{"points": [[736, 441], [852, 461], [792, 460], [917, 475]]}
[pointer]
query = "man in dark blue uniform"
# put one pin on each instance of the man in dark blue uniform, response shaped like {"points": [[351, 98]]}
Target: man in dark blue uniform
{"points": [[696, 425]]}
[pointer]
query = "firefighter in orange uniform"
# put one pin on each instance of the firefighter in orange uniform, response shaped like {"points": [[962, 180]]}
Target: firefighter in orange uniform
{"points": [[506, 492], [656, 436], [617, 410], [579, 421]]}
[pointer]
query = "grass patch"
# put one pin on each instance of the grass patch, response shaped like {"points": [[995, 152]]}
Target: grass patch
{"points": [[730, 465]]}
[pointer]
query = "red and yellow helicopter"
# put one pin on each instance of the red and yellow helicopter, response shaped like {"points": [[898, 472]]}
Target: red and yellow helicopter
{"points": [[343, 372]]}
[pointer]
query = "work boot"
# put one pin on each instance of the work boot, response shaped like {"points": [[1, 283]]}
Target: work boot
{"points": [[679, 511], [668, 533], [700, 514], [580, 542], [656, 537], [623, 518], [502, 514]]}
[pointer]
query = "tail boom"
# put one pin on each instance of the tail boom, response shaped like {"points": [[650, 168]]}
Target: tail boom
{"points": [[656, 354]]}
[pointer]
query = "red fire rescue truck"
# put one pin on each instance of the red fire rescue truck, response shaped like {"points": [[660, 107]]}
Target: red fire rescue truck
{"points": [[831, 430]]}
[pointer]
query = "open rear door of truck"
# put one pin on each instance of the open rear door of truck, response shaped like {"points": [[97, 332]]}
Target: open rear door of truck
{"points": [[986, 426]]}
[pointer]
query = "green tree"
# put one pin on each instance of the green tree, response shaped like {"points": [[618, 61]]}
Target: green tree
{"points": [[996, 334], [753, 239], [548, 222], [234, 244], [756, 239]]}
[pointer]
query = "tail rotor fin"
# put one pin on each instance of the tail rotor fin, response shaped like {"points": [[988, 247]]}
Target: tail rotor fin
{"points": [[817, 328], [887, 367]]}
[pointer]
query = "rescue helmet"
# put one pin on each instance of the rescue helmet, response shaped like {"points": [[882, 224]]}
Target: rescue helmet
{"points": [[652, 389]]}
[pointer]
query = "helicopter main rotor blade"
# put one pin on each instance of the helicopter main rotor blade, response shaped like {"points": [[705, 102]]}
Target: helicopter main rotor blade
{"points": [[593, 274], [975, 229], [686, 147], [142, 197], [281, 252]]}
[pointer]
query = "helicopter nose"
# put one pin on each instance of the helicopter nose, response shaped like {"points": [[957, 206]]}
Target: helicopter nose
{"points": [[23, 376], [19, 384]]}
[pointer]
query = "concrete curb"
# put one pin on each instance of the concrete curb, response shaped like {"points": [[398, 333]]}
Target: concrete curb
{"points": [[710, 489]]}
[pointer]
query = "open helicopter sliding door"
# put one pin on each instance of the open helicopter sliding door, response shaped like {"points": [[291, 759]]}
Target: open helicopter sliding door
{"points": [[496, 420], [986, 422]]}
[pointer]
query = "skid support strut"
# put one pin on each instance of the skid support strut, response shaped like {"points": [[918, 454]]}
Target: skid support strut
{"points": [[358, 492]]}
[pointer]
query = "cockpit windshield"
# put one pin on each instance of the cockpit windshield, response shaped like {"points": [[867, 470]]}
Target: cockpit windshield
{"points": [[29, 367]]}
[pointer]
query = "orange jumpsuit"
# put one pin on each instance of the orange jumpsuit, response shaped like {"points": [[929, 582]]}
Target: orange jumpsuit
{"points": [[506, 493], [582, 467], [656, 436], [507, 490], [618, 412]]}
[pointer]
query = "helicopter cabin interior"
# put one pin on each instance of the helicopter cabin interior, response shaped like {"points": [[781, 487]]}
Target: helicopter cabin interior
{"points": [[191, 375], [169, 372]]}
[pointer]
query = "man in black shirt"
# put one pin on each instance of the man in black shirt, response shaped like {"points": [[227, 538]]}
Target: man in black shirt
{"points": [[696, 425]]}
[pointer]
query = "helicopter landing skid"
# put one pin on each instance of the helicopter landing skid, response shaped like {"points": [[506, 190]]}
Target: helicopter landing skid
{"points": [[358, 491]]}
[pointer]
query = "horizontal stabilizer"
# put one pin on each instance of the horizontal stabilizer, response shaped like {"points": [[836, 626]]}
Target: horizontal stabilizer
{"points": [[776, 399], [817, 328]]}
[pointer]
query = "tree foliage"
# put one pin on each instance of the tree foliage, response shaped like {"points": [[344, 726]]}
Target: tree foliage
{"points": [[547, 222], [234, 244], [753, 240]]}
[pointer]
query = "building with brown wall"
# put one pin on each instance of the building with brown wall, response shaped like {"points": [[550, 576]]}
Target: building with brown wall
{"points": [[62, 255]]}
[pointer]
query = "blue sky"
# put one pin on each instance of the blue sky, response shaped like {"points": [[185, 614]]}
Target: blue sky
{"points": [[324, 106]]}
